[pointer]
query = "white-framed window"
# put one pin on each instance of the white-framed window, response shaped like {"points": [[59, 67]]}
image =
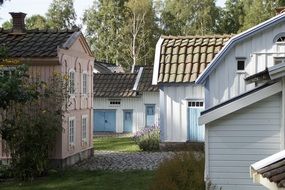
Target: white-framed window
{"points": [[195, 103], [280, 38], [84, 83], [71, 131], [84, 128], [279, 60], [240, 64], [72, 82], [115, 102]]}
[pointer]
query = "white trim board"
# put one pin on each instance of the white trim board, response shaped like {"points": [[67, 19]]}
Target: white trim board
{"points": [[156, 61], [138, 79], [240, 103]]}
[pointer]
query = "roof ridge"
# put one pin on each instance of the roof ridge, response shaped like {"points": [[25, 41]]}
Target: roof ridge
{"points": [[197, 36], [45, 30]]}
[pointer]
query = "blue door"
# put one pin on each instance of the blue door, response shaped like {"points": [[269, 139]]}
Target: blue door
{"points": [[105, 120], [196, 132], [128, 121], [150, 113]]}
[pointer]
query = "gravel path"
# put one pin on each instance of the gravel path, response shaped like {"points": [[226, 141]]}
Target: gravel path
{"points": [[122, 161]]}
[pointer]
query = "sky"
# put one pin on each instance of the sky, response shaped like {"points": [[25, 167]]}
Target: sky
{"points": [[32, 7]]}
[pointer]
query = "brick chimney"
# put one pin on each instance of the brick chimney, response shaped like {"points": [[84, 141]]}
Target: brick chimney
{"points": [[280, 10], [18, 22]]}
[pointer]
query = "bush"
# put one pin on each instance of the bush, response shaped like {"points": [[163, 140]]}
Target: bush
{"points": [[148, 138], [5, 172], [184, 172]]}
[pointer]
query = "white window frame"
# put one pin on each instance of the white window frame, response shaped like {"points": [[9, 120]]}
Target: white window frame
{"points": [[85, 83], [281, 59], [69, 82], [280, 35], [195, 103], [84, 139], [71, 142]]}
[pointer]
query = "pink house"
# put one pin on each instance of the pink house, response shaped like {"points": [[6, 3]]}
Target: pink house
{"points": [[66, 52]]}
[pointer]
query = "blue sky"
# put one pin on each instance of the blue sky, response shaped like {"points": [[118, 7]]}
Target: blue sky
{"points": [[32, 7]]}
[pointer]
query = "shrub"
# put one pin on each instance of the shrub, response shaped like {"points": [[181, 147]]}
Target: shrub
{"points": [[31, 122], [148, 138], [184, 172]]}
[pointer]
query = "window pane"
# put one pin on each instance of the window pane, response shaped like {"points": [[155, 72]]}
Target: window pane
{"points": [[240, 65]]}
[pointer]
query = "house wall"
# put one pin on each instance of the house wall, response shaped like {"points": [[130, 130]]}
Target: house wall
{"points": [[77, 59], [237, 140], [226, 82], [173, 110], [136, 104]]}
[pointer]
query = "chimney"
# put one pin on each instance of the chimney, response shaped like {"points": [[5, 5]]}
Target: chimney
{"points": [[18, 22], [280, 10]]}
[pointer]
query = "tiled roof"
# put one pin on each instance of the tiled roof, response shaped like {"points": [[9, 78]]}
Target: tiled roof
{"points": [[182, 59], [145, 83], [114, 85], [274, 173], [34, 43], [104, 67]]}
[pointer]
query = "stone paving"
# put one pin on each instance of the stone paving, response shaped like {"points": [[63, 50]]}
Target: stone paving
{"points": [[122, 161]]}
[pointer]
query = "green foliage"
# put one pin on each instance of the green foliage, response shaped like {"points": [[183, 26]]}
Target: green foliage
{"points": [[148, 139], [31, 118], [5, 172], [189, 17], [184, 172], [61, 14], [36, 21]]}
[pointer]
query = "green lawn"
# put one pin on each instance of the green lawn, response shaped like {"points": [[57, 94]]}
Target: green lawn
{"points": [[122, 144], [77, 180]]}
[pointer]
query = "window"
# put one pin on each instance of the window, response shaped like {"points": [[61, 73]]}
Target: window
{"points": [[71, 82], [84, 128], [84, 83], [196, 103], [280, 38], [150, 113], [115, 102], [240, 64], [279, 60], [71, 131]]}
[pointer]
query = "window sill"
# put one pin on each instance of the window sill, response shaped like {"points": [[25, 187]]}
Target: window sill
{"points": [[241, 72]]}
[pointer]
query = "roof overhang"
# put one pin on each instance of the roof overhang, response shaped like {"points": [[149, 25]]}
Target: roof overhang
{"points": [[156, 61], [236, 39], [239, 102], [277, 71], [258, 178]]}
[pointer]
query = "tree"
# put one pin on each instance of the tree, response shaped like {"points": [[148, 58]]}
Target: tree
{"points": [[231, 18], [36, 21], [104, 21], [189, 17], [61, 14], [141, 29], [7, 25]]}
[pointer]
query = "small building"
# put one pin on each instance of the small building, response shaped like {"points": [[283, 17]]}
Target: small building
{"points": [[178, 63], [104, 67], [244, 116], [65, 52], [125, 102]]}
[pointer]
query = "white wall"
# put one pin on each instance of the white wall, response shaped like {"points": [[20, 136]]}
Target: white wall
{"points": [[136, 104], [236, 141], [173, 110], [225, 83]]}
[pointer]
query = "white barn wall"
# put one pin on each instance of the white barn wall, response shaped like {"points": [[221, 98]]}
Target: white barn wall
{"points": [[136, 104], [225, 82], [240, 139], [173, 110]]}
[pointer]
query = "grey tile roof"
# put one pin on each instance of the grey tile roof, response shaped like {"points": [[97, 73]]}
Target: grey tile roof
{"points": [[34, 43], [183, 58], [145, 83], [114, 85], [104, 67]]}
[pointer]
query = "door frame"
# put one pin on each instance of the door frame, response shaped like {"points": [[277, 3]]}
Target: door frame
{"points": [[132, 112]]}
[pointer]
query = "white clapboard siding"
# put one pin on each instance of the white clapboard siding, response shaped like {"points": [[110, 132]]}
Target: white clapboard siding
{"points": [[173, 110], [225, 82], [137, 105], [240, 139]]}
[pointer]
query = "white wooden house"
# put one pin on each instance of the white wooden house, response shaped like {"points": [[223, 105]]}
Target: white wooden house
{"points": [[245, 104], [178, 63], [125, 102]]}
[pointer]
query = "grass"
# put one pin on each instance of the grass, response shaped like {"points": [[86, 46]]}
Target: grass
{"points": [[116, 143], [101, 180]]}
